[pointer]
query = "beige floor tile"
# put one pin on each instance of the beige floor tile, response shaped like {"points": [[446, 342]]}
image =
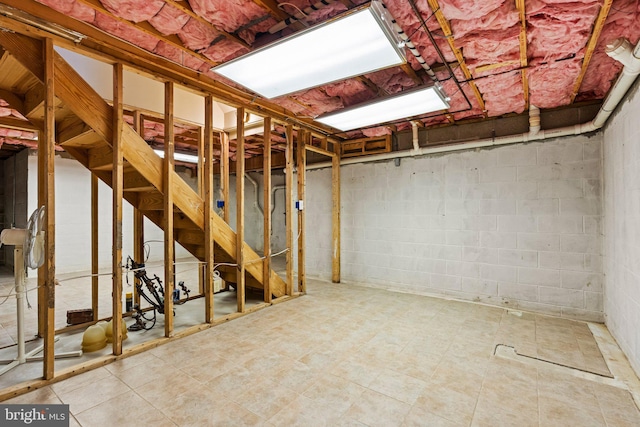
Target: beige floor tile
{"points": [[356, 370], [265, 397], [202, 408], [456, 377], [304, 412], [446, 403], [125, 409], [92, 394], [554, 412], [375, 409], [166, 388], [345, 355], [298, 377], [399, 386], [334, 393], [40, 396], [418, 416]]}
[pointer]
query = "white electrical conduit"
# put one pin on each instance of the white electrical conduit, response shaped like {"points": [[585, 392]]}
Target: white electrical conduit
{"points": [[256, 202], [298, 16], [413, 50], [620, 49]]}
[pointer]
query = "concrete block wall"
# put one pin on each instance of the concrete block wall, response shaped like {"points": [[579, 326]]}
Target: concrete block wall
{"points": [[622, 226], [517, 226]]}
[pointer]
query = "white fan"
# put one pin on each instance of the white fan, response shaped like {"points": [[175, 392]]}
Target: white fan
{"points": [[28, 252]]}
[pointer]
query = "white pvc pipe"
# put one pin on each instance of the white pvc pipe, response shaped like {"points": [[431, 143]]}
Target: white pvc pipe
{"points": [[414, 131], [617, 50], [256, 203]]}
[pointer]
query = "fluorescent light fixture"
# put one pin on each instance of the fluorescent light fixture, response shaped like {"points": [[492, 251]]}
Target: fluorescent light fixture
{"points": [[403, 105], [357, 43], [181, 157]]}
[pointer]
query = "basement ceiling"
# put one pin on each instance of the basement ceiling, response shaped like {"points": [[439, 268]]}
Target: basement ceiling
{"points": [[493, 58]]}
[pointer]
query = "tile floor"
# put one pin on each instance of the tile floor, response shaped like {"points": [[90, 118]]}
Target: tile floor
{"points": [[345, 355]]}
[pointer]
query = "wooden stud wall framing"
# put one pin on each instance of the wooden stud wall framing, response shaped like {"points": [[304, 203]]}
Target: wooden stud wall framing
{"points": [[94, 247], [240, 211], [224, 174], [117, 187], [167, 187], [289, 208], [335, 219], [206, 157], [46, 194], [302, 166], [138, 218], [266, 204]]}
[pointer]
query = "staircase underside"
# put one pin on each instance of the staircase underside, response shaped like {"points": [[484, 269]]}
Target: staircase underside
{"points": [[85, 130]]}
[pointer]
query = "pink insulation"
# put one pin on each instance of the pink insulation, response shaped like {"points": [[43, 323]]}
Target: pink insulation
{"points": [[169, 20], [551, 85], [122, 30], [502, 93], [15, 133], [228, 15], [72, 8], [318, 101], [623, 21], [196, 35], [224, 50], [486, 31], [391, 80], [350, 91], [379, 131], [133, 10], [171, 52], [466, 9]]}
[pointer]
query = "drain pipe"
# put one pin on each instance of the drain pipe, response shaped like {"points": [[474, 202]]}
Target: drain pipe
{"points": [[256, 202], [414, 131], [620, 50], [534, 120]]}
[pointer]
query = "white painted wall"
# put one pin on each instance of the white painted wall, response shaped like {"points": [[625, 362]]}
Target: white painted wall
{"points": [[516, 226], [73, 218], [141, 91], [622, 226]]}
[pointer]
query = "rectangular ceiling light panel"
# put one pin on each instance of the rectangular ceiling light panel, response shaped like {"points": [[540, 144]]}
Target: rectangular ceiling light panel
{"points": [[352, 45], [404, 105]]}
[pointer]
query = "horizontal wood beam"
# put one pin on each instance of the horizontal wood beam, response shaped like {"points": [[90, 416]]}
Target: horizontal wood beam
{"points": [[319, 151]]}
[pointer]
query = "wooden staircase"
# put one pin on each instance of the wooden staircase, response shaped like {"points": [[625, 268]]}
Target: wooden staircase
{"points": [[89, 141]]}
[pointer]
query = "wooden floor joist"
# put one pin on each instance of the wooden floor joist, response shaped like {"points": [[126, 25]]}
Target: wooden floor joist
{"points": [[591, 45], [446, 30], [522, 37]]}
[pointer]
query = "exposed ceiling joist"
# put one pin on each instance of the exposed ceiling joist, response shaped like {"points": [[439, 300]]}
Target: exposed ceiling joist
{"points": [[14, 101], [100, 44], [446, 29], [13, 123], [523, 51], [148, 29], [591, 46], [184, 6], [277, 13]]}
